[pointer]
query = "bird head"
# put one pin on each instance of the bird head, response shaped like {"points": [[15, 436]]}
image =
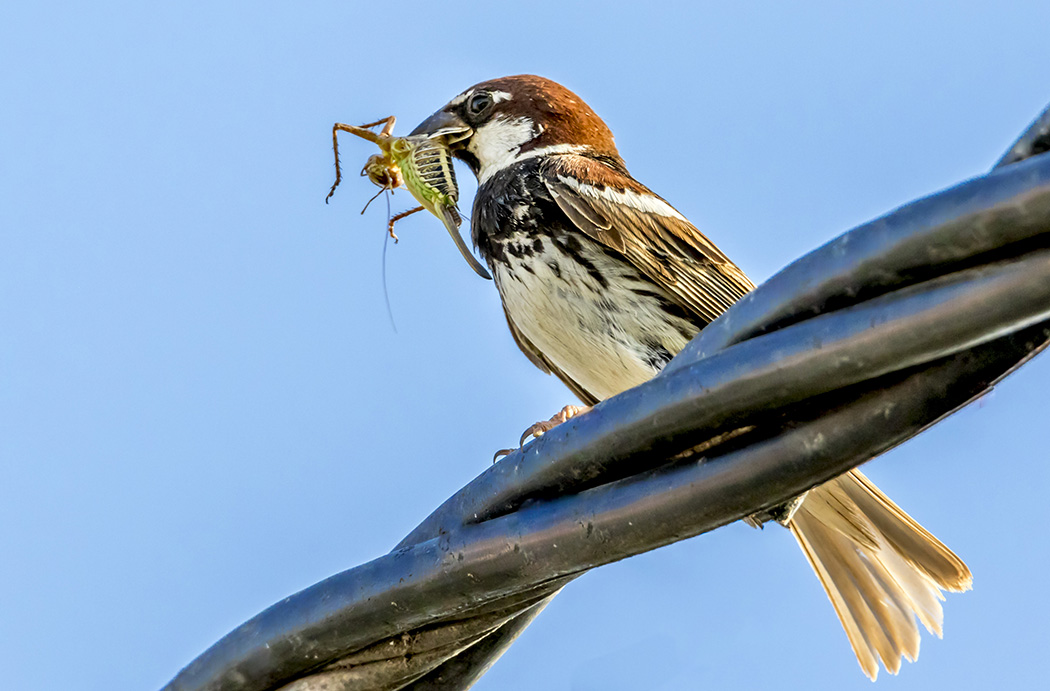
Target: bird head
{"points": [[502, 121]]}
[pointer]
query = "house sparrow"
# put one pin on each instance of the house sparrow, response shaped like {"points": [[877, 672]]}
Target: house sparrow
{"points": [[603, 282]]}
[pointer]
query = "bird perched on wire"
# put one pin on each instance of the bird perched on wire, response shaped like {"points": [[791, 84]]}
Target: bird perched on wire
{"points": [[603, 282]]}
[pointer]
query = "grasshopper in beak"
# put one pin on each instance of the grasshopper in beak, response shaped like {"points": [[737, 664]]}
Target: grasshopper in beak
{"points": [[422, 165]]}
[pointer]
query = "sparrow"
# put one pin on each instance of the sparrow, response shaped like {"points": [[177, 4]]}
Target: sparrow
{"points": [[602, 282]]}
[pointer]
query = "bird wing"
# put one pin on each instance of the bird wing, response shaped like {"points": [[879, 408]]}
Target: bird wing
{"points": [[617, 211]]}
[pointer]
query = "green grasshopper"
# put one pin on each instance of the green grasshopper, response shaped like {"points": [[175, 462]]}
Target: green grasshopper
{"points": [[420, 164]]}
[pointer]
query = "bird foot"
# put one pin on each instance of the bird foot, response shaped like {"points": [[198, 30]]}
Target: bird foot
{"points": [[540, 428]]}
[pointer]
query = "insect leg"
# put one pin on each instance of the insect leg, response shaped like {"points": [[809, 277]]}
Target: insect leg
{"points": [[387, 123], [398, 217], [360, 132]]}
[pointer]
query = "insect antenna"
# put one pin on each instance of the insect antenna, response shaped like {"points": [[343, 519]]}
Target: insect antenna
{"points": [[384, 189], [386, 243]]}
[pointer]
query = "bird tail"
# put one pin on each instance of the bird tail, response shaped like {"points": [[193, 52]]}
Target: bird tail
{"points": [[879, 567]]}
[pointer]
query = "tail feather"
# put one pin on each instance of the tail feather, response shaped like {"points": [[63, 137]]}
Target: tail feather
{"points": [[908, 538], [878, 566]]}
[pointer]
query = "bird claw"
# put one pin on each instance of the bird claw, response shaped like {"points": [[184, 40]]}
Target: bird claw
{"points": [[541, 428], [502, 452]]}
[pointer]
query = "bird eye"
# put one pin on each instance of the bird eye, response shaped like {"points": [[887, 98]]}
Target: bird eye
{"points": [[478, 103]]}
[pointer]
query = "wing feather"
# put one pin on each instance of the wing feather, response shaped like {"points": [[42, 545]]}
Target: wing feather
{"points": [[617, 211]]}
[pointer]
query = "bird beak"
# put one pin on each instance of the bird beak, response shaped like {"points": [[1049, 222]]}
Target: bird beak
{"points": [[444, 124]]}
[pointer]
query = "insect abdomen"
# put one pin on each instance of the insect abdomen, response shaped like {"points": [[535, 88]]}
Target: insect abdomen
{"points": [[432, 165]]}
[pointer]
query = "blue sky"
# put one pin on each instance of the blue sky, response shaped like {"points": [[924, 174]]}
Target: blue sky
{"points": [[204, 408]]}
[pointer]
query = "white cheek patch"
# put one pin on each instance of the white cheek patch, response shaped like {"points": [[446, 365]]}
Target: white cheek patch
{"points": [[489, 169], [496, 143], [642, 202]]}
